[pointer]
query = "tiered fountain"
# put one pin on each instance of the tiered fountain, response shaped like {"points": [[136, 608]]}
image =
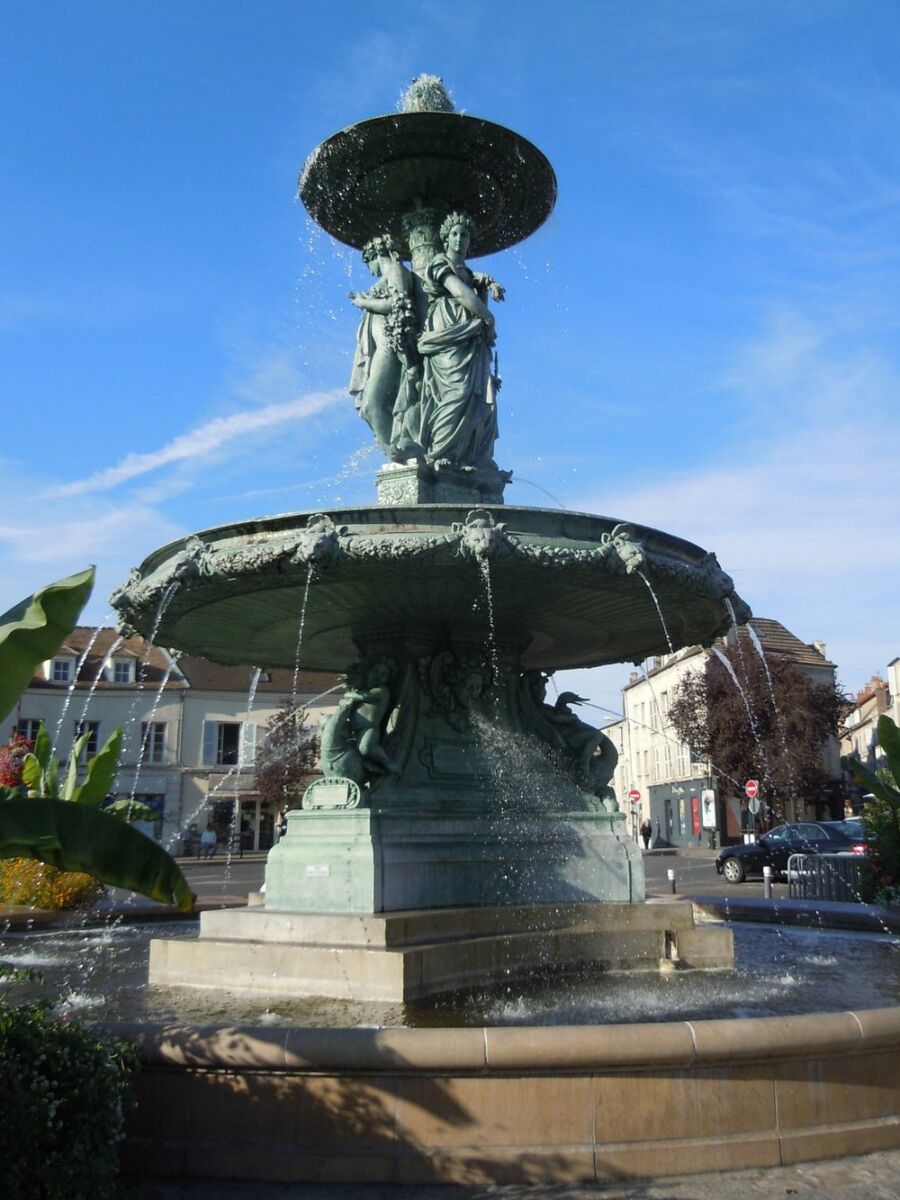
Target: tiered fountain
{"points": [[464, 830], [454, 793]]}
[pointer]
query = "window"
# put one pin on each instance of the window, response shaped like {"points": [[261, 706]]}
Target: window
{"points": [[28, 727], [153, 741], [92, 729], [123, 670], [61, 670], [229, 743]]}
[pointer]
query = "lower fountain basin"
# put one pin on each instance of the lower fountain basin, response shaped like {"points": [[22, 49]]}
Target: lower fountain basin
{"points": [[508, 1085]]}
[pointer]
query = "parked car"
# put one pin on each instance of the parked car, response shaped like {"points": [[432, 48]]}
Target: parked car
{"points": [[773, 849]]}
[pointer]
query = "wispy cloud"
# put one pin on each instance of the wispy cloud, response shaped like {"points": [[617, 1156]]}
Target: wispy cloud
{"points": [[203, 441], [801, 512]]}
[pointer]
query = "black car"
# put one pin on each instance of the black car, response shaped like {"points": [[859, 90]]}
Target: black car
{"points": [[773, 849]]}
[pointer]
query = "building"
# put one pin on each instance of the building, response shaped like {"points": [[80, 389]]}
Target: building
{"points": [[858, 734], [659, 778], [190, 727]]}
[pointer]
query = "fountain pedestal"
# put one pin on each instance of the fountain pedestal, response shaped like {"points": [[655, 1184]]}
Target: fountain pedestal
{"points": [[364, 861], [406, 956]]}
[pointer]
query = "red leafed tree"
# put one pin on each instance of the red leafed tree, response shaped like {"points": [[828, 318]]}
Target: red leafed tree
{"points": [[287, 758], [11, 756], [781, 741]]}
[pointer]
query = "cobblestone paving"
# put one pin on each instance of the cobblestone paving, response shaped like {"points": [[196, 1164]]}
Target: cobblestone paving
{"points": [[871, 1177]]}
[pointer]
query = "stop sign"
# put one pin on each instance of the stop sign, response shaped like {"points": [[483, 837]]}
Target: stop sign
{"points": [[634, 795], [751, 787]]}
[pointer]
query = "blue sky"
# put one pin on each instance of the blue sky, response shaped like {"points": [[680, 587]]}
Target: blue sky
{"points": [[703, 338]]}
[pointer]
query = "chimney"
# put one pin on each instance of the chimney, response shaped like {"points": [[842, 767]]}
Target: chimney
{"points": [[820, 646]]}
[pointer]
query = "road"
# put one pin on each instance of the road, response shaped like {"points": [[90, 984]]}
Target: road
{"points": [[695, 875]]}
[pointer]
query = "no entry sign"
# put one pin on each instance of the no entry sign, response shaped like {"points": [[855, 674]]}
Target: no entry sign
{"points": [[751, 787], [634, 795]]}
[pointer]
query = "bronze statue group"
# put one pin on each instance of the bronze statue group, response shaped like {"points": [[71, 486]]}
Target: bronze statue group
{"points": [[424, 376]]}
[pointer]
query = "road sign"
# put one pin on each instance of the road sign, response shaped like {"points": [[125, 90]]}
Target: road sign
{"points": [[751, 787], [634, 795], [754, 805]]}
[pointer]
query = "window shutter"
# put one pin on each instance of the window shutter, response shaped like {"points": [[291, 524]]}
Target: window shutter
{"points": [[210, 742], [248, 744]]}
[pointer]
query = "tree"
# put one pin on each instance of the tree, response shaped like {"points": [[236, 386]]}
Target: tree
{"points": [[287, 757], [778, 735]]}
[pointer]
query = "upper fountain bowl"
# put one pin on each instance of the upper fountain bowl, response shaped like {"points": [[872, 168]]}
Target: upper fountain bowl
{"points": [[569, 589], [361, 181]]}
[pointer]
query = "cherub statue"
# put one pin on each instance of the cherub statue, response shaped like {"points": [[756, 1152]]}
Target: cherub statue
{"points": [[351, 736]]}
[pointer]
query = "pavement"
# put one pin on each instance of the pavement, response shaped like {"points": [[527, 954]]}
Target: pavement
{"points": [[870, 1177]]}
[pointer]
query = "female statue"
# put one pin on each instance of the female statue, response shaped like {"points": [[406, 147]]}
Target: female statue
{"points": [[385, 364], [458, 416]]}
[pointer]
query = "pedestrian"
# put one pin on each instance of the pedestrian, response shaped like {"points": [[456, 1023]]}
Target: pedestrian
{"points": [[281, 825], [646, 832], [208, 842]]}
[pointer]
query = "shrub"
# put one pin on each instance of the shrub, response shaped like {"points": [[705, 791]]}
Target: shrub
{"points": [[64, 1091], [37, 884]]}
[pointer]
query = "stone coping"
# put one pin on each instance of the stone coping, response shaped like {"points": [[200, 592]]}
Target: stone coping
{"points": [[515, 1049]]}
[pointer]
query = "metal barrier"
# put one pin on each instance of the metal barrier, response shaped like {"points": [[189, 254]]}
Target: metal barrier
{"points": [[824, 877]]}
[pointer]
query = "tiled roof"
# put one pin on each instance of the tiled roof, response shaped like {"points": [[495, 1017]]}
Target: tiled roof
{"points": [[776, 639], [211, 677], [156, 661], [153, 662]]}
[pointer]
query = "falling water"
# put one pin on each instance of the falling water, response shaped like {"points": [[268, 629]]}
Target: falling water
{"points": [[779, 720], [103, 665], [485, 567], [149, 726], [662, 619], [723, 659], [70, 691], [242, 751], [310, 572], [164, 602]]}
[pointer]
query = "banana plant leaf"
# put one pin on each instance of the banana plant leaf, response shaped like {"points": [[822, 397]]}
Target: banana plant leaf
{"points": [[872, 783], [889, 740], [35, 629], [101, 771], [76, 837], [131, 810]]}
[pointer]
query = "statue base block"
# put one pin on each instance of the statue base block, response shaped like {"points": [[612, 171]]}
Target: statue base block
{"points": [[418, 483], [365, 861], [407, 956]]}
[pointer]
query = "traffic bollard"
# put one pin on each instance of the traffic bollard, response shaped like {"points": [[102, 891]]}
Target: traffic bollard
{"points": [[767, 882], [671, 875]]}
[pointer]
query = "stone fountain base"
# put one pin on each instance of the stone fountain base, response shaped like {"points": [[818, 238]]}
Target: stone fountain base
{"points": [[364, 861], [404, 956]]}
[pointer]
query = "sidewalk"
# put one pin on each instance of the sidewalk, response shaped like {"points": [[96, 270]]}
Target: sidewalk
{"points": [[872, 1177]]}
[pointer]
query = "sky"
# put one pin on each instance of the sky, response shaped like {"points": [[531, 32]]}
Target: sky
{"points": [[703, 337]]}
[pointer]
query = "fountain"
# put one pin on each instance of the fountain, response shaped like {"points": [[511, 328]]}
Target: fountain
{"points": [[464, 831]]}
